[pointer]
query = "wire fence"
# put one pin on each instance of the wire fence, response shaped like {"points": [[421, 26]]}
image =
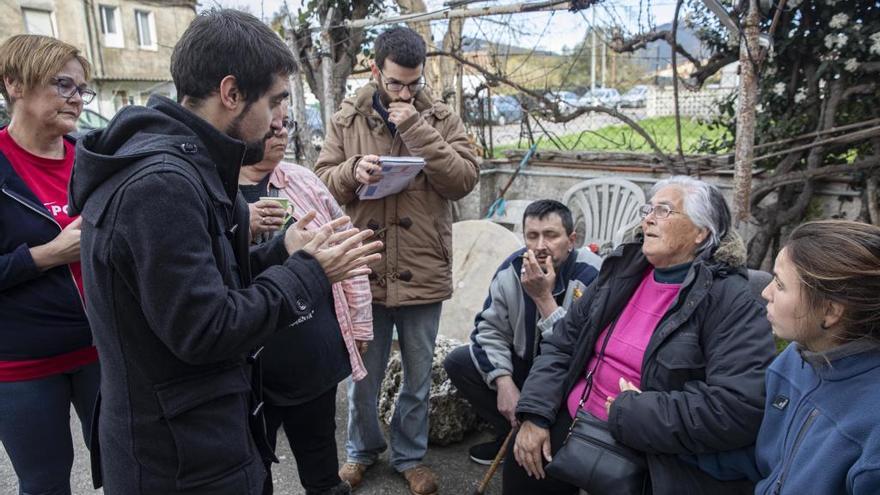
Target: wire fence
{"points": [[504, 122]]}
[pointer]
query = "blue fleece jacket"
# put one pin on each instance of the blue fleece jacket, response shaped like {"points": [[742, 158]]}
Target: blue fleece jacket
{"points": [[821, 427]]}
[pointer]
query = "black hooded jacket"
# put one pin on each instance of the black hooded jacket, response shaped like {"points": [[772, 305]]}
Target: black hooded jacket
{"points": [[174, 310]]}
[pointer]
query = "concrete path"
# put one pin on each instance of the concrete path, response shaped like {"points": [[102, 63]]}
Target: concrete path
{"points": [[458, 475]]}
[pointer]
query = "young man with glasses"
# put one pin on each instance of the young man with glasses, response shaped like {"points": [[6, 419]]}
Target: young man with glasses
{"points": [[396, 115]]}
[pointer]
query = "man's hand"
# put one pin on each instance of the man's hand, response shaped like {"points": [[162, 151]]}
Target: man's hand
{"points": [[367, 170], [341, 254], [532, 442], [624, 385], [296, 236], [400, 111], [266, 216], [508, 396], [61, 250], [538, 283]]}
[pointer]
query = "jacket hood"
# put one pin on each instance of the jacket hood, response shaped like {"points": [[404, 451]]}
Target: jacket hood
{"points": [[162, 126], [731, 250]]}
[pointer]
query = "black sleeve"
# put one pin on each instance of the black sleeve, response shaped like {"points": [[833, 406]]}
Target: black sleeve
{"points": [[166, 245], [544, 390], [267, 254], [721, 413], [17, 267]]}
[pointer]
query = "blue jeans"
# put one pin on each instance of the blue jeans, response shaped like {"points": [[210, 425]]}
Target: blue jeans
{"points": [[416, 333], [35, 426]]}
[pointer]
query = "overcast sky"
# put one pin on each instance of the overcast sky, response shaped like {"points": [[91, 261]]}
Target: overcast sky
{"points": [[548, 31]]}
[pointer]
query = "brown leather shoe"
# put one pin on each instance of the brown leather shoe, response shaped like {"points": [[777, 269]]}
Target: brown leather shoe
{"points": [[353, 473], [422, 480]]}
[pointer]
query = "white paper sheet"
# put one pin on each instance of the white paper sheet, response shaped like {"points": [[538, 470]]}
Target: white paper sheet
{"points": [[397, 172]]}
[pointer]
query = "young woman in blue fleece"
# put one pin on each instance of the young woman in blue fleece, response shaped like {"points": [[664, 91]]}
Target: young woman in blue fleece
{"points": [[821, 428]]}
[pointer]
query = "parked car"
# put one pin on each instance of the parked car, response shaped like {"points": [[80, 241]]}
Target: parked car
{"points": [[605, 97], [89, 121], [505, 109], [567, 101], [635, 98]]}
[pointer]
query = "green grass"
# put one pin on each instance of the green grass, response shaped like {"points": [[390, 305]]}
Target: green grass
{"points": [[621, 137]]}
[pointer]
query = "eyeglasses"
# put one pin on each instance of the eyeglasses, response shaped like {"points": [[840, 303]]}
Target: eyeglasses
{"points": [[67, 88], [659, 211], [398, 86]]}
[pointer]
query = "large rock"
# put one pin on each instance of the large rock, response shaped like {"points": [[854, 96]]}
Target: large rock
{"points": [[450, 417], [478, 247]]}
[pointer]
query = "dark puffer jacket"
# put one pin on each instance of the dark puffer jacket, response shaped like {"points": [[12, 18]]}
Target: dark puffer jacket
{"points": [[702, 372], [173, 308]]}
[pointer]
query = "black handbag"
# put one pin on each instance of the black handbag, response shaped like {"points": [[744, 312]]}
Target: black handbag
{"points": [[591, 459]]}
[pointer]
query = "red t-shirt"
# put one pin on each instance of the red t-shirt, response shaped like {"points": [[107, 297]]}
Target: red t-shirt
{"points": [[47, 178]]}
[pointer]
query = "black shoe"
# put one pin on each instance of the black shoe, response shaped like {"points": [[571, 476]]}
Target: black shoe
{"points": [[484, 453]]}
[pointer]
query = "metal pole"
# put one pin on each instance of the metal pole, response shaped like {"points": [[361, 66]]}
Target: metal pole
{"points": [[604, 56], [593, 51]]}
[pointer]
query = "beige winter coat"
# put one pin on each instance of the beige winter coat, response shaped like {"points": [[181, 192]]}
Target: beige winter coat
{"points": [[415, 224]]}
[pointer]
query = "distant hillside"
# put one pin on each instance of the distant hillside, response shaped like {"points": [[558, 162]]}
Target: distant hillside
{"points": [[472, 45]]}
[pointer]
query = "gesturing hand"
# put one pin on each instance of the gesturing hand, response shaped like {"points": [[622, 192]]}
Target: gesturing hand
{"points": [[341, 254], [296, 236], [532, 442]]}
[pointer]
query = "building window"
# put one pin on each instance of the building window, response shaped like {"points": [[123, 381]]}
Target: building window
{"points": [[111, 26], [38, 22], [146, 29]]}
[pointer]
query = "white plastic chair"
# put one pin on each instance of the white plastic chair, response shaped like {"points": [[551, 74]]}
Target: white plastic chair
{"points": [[606, 208]]}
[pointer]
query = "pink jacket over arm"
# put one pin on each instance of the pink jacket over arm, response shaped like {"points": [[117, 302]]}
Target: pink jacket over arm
{"points": [[352, 299]]}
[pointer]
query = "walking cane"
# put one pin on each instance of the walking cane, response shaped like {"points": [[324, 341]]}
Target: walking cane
{"points": [[494, 467]]}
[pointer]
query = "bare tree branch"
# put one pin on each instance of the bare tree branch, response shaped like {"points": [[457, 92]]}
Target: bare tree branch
{"points": [[801, 176], [554, 111], [621, 45]]}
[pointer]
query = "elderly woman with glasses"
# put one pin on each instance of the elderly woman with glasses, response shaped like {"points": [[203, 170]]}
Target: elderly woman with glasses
{"points": [[675, 345], [47, 360], [302, 367]]}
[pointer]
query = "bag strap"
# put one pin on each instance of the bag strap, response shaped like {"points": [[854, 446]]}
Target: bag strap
{"points": [[591, 373]]}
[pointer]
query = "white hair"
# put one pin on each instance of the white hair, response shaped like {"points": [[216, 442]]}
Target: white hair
{"points": [[704, 204]]}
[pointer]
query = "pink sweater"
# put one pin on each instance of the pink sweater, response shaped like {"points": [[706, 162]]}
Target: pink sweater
{"points": [[626, 348], [352, 298]]}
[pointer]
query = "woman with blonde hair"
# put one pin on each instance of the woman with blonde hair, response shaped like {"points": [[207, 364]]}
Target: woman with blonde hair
{"points": [[47, 360], [821, 427]]}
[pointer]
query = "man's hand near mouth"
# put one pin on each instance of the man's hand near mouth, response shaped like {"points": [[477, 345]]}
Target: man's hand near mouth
{"points": [[537, 280]]}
